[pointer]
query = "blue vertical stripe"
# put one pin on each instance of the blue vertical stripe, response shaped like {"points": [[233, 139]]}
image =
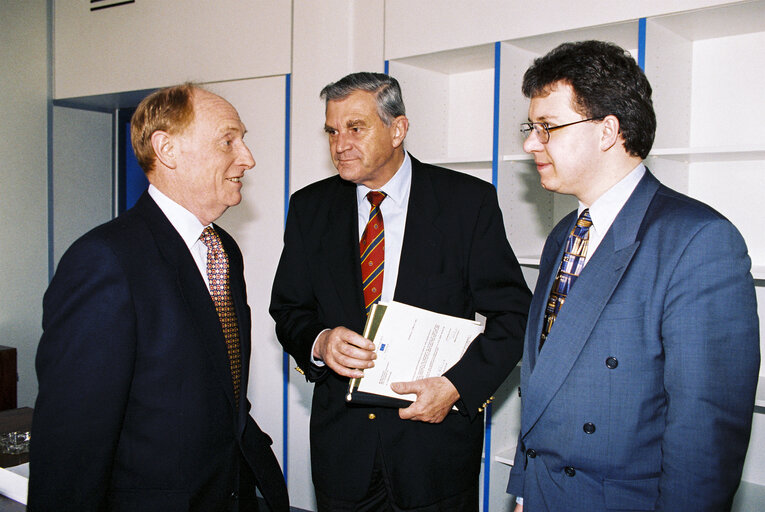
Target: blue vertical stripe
{"points": [[487, 459], [285, 356], [495, 132], [387, 67], [641, 43]]}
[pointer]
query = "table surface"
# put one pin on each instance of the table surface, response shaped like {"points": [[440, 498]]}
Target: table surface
{"points": [[10, 421]]}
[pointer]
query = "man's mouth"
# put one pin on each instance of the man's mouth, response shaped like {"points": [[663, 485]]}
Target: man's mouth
{"points": [[235, 180]]}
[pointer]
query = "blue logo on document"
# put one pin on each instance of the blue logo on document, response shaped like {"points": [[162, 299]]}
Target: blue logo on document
{"points": [[382, 347]]}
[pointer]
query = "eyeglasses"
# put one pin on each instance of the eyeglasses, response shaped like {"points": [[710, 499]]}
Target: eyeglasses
{"points": [[542, 130]]}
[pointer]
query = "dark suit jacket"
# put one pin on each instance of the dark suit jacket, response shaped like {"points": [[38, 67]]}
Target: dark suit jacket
{"points": [[136, 406], [642, 396], [455, 260]]}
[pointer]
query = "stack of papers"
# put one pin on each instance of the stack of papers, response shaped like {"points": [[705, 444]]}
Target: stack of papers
{"points": [[13, 482], [411, 344]]}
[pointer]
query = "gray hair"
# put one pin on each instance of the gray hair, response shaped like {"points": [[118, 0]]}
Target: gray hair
{"points": [[387, 92]]}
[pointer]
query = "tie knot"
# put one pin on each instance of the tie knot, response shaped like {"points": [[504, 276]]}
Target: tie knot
{"points": [[584, 220], [211, 239], [376, 197]]}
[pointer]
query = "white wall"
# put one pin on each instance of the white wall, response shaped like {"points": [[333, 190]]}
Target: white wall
{"points": [[82, 174], [23, 182], [147, 45]]}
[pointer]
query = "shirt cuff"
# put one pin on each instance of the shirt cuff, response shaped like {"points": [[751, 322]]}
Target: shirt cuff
{"points": [[317, 362], [519, 500]]}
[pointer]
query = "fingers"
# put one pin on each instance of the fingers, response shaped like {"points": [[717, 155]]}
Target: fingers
{"points": [[345, 352], [435, 398]]}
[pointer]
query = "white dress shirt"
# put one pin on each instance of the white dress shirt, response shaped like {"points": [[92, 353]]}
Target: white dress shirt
{"points": [[605, 208], [393, 208], [187, 225]]}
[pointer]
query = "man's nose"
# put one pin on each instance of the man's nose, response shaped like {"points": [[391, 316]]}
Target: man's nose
{"points": [[532, 143], [342, 142], [245, 156]]}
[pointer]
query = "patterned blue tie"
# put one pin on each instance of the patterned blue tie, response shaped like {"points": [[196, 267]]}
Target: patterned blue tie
{"points": [[571, 266]]}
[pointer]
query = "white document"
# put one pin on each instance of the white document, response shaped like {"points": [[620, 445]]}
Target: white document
{"points": [[13, 482], [412, 344]]}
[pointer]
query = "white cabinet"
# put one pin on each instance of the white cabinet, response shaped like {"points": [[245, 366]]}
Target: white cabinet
{"points": [[707, 70]]}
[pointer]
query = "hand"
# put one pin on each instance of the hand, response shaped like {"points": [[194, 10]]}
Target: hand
{"points": [[518, 507], [435, 398], [345, 352]]}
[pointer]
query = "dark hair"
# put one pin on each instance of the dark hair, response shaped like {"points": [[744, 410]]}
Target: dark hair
{"points": [[170, 109], [606, 81], [387, 92]]}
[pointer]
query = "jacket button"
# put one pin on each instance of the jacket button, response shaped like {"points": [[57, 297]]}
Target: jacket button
{"points": [[371, 416], [531, 453], [612, 363], [589, 428], [569, 471], [234, 495]]}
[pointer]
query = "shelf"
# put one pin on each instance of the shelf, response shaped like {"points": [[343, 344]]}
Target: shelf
{"points": [[750, 496], [520, 157], [710, 154], [529, 261], [758, 272], [463, 60], [471, 160], [759, 398], [724, 21], [506, 456]]}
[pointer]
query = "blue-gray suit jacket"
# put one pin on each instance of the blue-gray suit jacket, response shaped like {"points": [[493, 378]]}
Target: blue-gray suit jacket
{"points": [[643, 394]]}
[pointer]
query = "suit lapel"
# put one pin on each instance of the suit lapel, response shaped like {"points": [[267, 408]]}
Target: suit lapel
{"points": [[340, 248], [422, 238], [584, 304], [191, 286]]}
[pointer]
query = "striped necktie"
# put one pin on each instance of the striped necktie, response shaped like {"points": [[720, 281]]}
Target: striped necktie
{"points": [[372, 250], [218, 277], [571, 265]]}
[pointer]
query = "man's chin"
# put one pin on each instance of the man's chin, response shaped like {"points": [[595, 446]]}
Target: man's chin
{"points": [[348, 172]]}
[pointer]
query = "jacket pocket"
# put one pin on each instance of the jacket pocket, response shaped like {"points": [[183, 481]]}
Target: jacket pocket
{"points": [[631, 494]]}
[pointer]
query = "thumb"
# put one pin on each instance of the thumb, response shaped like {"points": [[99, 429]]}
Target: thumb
{"points": [[403, 388]]}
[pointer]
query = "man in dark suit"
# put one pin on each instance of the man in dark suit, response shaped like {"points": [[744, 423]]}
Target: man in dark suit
{"points": [[445, 250], [144, 359], [638, 375]]}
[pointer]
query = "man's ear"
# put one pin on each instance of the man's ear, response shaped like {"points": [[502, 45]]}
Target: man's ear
{"points": [[400, 127], [164, 148], [610, 132]]}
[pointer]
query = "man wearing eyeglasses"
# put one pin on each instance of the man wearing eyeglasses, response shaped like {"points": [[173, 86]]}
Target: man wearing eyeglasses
{"points": [[642, 347]]}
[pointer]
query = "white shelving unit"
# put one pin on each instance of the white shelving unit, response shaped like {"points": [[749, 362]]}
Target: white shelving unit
{"points": [[706, 67]]}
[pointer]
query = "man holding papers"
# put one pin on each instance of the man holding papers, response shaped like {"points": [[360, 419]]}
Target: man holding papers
{"points": [[391, 228]]}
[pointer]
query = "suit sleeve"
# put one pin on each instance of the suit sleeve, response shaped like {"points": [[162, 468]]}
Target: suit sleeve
{"points": [[499, 293], [84, 367], [710, 335], [293, 304]]}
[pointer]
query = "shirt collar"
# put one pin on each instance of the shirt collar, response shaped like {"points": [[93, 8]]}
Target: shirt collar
{"points": [[185, 223], [605, 209], [397, 186]]}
